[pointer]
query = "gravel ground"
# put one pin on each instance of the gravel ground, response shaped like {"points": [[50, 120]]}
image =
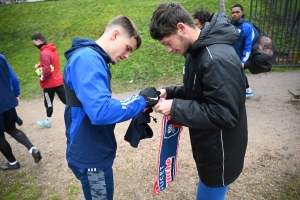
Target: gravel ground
{"points": [[273, 153]]}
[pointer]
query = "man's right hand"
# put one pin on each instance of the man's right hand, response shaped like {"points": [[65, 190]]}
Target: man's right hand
{"points": [[151, 96], [163, 93], [37, 65]]}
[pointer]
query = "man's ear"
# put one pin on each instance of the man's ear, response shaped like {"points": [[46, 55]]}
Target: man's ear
{"points": [[115, 34], [181, 27]]}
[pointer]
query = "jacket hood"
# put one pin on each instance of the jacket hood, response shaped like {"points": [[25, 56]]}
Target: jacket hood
{"points": [[217, 30], [50, 47], [85, 42]]}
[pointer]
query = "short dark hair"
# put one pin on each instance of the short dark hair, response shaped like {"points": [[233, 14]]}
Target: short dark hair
{"points": [[239, 6], [129, 27], [39, 36], [202, 15], [165, 19]]}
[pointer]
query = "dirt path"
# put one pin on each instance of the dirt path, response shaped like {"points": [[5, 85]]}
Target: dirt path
{"points": [[273, 152]]}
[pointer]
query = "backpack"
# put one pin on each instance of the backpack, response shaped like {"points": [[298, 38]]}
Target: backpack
{"points": [[262, 53]]}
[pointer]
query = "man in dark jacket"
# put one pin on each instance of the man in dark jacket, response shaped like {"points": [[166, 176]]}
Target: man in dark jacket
{"points": [[211, 102]]}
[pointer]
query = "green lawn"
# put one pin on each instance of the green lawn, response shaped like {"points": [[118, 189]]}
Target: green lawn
{"points": [[63, 20]]}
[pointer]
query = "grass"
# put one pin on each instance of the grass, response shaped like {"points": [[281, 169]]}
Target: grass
{"points": [[63, 20], [23, 186], [19, 186], [288, 189], [278, 69]]}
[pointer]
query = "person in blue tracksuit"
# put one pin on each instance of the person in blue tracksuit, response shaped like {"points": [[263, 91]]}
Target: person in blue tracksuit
{"points": [[9, 99], [91, 112], [248, 35]]}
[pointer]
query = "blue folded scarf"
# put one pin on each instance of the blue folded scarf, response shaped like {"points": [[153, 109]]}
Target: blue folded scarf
{"points": [[167, 156]]}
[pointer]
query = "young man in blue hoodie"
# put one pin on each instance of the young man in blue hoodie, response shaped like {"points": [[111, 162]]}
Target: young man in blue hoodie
{"points": [[91, 113], [248, 35], [9, 100]]}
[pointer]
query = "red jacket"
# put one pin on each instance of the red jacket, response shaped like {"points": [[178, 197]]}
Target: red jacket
{"points": [[49, 56]]}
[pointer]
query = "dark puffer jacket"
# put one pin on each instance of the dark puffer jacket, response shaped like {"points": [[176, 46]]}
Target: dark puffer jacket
{"points": [[211, 103]]}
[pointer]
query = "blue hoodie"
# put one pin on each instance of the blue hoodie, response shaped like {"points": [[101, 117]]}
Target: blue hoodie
{"points": [[9, 84], [91, 142], [248, 35]]}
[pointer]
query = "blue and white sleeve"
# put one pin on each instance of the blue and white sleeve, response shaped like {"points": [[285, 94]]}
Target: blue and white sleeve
{"points": [[90, 82]]}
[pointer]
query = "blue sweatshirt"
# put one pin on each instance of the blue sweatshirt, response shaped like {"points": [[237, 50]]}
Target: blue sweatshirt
{"points": [[14, 82], [9, 85], [248, 35], [91, 142]]}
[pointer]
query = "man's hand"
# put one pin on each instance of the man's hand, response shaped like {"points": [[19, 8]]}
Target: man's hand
{"points": [[164, 107], [18, 100], [163, 93], [37, 65], [151, 96]]}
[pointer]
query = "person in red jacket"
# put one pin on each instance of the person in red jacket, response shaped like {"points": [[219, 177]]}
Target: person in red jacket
{"points": [[48, 69]]}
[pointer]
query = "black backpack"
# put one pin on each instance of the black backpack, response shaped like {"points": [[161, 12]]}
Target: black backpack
{"points": [[262, 53]]}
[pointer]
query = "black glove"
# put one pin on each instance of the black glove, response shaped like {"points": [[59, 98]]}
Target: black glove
{"points": [[151, 96]]}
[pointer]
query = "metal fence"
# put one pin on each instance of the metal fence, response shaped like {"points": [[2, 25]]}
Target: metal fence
{"points": [[280, 20]]}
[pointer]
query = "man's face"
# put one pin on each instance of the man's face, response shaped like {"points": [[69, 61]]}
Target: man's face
{"points": [[37, 42], [236, 14], [175, 43], [198, 23], [122, 48]]}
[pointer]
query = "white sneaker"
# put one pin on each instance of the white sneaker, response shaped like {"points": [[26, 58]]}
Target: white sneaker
{"points": [[44, 123], [249, 94]]}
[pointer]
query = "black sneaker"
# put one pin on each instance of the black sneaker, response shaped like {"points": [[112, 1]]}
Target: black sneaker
{"points": [[36, 154], [8, 166]]}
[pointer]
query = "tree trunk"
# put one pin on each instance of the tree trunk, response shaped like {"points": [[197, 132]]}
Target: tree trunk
{"points": [[222, 6]]}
